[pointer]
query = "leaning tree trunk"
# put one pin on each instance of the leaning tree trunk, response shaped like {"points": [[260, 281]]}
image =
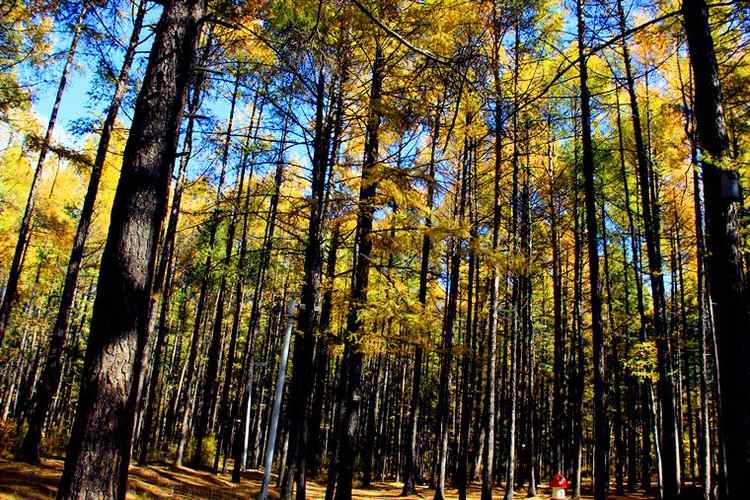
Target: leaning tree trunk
{"points": [[14, 273], [50, 380], [98, 456]]}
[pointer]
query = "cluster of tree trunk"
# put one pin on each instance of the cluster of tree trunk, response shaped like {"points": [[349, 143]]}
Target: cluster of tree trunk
{"points": [[172, 365]]}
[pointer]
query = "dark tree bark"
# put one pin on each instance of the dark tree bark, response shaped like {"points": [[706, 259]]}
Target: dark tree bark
{"points": [[373, 412], [462, 473], [322, 358], [188, 380], [225, 414], [50, 379], [411, 451], [449, 320], [722, 198], [515, 298], [703, 323], [351, 366], [558, 386], [98, 456], [488, 451], [631, 382], [248, 363], [527, 326], [307, 320], [601, 426], [577, 361], [669, 451]]}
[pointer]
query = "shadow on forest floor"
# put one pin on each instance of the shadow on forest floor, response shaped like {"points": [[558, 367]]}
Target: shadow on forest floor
{"points": [[29, 482]]}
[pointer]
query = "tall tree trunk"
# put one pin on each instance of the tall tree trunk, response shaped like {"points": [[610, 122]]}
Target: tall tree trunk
{"points": [[195, 341], [527, 325], [449, 319], [703, 326], [225, 414], [214, 352], [24, 232], [53, 366], [462, 476], [96, 463], [410, 448], [246, 373], [577, 363], [669, 451], [307, 321], [515, 298], [322, 357], [601, 426], [162, 329], [722, 198], [488, 417], [351, 366]]}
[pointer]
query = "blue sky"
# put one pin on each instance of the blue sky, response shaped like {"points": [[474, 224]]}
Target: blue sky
{"points": [[77, 102]]}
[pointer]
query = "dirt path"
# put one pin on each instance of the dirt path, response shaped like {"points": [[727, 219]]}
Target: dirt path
{"points": [[28, 482]]}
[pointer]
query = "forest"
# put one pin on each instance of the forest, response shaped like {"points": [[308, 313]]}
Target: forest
{"points": [[374, 248]]}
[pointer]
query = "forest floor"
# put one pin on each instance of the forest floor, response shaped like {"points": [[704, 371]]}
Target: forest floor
{"points": [[28, 482]]}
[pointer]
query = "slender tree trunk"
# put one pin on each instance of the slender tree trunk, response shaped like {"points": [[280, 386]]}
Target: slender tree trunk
{"points": [[670, 459], [188, 381], [410, 468], [601, 426], [210, 386], [703, 329], [24, 232], [462, 476], [351, 366], [488, 417], [527, 326], [307, 321], [444, 398], [246, 373], [225, 414], [322, 357]]}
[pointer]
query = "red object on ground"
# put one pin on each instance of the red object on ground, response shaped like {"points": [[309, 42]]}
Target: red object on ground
{"points": [[558, 481]]}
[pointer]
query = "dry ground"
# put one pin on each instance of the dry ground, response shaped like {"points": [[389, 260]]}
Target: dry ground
{"points": [[27, 482]]}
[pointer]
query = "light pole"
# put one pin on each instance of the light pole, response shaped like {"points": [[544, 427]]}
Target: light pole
{"points": [[280, 378]]}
